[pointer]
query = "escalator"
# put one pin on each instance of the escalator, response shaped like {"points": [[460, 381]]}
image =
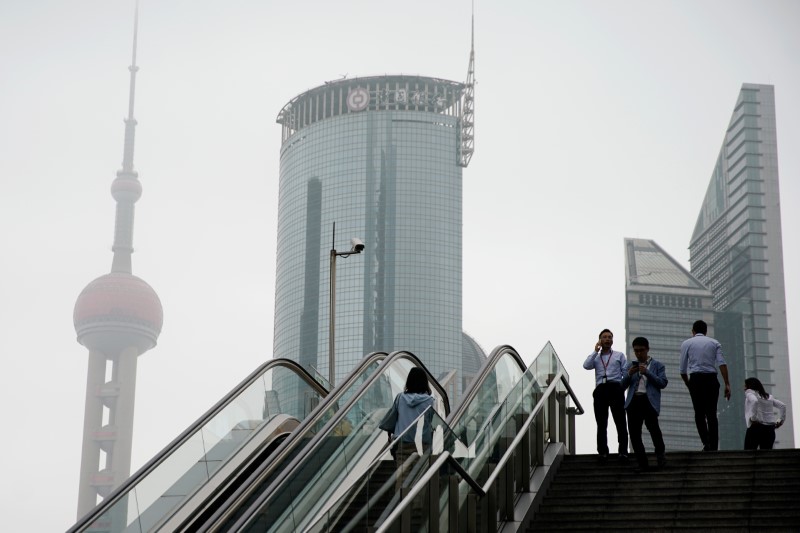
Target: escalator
{"points": [[307, 463], [292, 489], [367, 501], [253, 421]]}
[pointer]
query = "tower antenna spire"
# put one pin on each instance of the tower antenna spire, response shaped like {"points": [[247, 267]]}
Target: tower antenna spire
{"points": [[130, 122], [467, 147], [126, 188]]}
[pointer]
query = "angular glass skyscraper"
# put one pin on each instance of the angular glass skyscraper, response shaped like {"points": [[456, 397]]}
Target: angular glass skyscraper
{"points": [[736, 281], [736, 249], [382, 158]]}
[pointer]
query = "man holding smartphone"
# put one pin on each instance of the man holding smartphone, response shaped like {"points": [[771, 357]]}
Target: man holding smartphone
{"points": [[609, 367], [644, 378]]}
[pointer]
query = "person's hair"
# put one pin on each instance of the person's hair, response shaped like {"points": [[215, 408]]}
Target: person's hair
{"points": [[641, 341], [755, 384], [700, 326], [417, 381], [601, 333]]}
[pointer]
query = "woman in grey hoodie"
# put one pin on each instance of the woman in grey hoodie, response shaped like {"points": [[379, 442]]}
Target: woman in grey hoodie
{"points": [[411, 403]]}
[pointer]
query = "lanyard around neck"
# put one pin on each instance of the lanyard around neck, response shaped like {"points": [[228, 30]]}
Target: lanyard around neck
{"points": [[605, 365]]}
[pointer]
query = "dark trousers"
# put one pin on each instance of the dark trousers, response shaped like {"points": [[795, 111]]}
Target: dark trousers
{"points": [[759, 436], [609, 396], [640, 411], [404, 462], [704, 390]]}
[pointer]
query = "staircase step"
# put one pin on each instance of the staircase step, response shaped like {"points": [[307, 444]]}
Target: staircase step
{"points": [[697, 491]]}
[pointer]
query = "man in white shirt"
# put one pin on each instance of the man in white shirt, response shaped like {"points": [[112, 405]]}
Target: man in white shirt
{"points": [[608, 366], [700, 357]]}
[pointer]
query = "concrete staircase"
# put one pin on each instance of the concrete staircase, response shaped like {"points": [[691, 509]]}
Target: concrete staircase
{"points": [[729, 491]]}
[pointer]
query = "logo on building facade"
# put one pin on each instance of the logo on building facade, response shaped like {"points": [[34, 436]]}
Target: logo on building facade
{"points": [[357, 99]]}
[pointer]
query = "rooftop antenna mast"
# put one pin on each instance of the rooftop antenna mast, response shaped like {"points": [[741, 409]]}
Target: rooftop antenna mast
{"points": [[467, 147]]}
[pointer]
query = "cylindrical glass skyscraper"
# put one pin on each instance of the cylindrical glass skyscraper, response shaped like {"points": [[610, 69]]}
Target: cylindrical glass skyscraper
{"points": [[381, 158]]}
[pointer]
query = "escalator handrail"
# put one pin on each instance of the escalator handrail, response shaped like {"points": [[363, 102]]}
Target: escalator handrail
{"points": [[498, 468], [560, 377], [484, 372], [176, 443], [299, 460], [469, 395], [287, 445]]}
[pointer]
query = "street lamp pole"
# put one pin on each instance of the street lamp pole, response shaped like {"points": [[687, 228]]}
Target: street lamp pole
{"points": [[356, 247]]}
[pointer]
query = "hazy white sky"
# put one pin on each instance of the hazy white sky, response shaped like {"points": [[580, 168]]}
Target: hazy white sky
{"points": [[595, 121]]}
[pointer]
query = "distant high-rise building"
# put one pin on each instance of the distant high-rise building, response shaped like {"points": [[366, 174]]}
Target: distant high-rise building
{"points": [[382, 158], [736, 282], [736, 249], [662, 299], [117, 317]]}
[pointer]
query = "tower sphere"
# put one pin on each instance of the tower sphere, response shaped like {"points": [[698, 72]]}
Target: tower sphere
{"points": [[126, 189], [118, 310]]}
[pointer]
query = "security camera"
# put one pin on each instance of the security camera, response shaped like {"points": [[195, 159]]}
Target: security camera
{"points": [[356, 245]]}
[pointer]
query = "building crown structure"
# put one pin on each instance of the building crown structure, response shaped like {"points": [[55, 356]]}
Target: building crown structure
{"points": [[118, 316]]}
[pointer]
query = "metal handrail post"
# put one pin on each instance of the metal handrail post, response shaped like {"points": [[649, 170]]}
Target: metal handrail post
{"points": [[562, 417], [525, 462], [433, 504], [571, 415], [538, 441], [452, 503], [508, 500], [472, 513], [489, 506], [552, 413]]}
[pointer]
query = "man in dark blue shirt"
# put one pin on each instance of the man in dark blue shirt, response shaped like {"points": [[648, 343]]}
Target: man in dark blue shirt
{"points": [[644, 380]]}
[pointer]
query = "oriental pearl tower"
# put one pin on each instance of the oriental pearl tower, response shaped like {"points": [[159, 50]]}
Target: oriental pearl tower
{"points": [[117, 317]]}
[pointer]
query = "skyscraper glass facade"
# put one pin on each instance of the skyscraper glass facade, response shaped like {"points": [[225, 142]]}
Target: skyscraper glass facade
{"points": [[736, 249], [379, 157], [662, 300]]}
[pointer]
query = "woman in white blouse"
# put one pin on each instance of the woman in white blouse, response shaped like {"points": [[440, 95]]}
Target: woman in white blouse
{"points": [[759, 413]]}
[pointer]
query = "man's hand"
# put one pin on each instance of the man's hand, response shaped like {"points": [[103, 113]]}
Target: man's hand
{"points": [[728, 391], [632, 370], [597, 347]]}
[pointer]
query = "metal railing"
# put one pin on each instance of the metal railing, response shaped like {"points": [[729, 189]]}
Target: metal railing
{"points": [[478, 493]]}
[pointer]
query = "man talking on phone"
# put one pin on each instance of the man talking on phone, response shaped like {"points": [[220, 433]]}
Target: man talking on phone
{"points": [[609, 366]]}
